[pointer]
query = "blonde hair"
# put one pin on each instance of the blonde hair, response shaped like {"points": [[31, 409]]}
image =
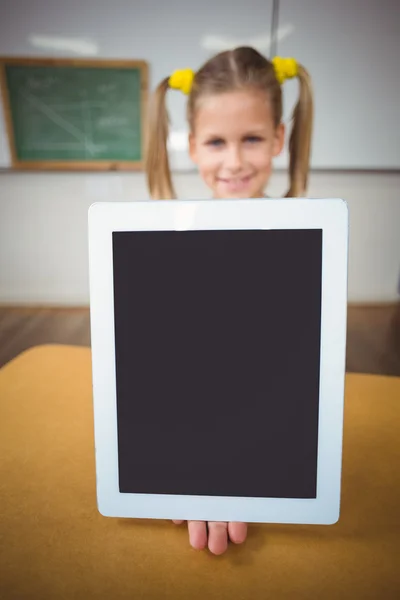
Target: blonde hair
{"points": [[242, 68]]}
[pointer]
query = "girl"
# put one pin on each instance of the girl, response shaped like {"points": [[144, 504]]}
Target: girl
{"points": [[234, 112]]}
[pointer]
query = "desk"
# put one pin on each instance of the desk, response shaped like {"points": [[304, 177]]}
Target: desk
{"points": [[54, 544]]}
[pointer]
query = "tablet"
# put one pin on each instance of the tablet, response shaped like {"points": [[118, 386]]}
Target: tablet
{"points": [[218, 332]]}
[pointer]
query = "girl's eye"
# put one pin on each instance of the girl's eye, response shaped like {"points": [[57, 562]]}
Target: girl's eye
{"points": [[215, 142], [253, 139]]}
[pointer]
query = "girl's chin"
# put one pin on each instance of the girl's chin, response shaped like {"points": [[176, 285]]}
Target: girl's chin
{"points": [[238, 195], [244, 189]]}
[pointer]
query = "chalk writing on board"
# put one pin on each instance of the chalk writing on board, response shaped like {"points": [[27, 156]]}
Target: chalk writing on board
{"points": [[76, 114], [106, 88], [112, 121], [35, 83], [95, 148], [62, 122], [73, 106]]}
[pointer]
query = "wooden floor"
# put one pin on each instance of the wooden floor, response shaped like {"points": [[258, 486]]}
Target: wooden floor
{"points": [[373, 340]]}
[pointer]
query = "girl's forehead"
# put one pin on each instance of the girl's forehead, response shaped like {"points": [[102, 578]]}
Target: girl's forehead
{"points": [[236, 109]]}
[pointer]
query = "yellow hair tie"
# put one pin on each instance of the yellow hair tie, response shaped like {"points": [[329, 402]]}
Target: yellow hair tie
{"points": [[182, 80], [285, 68]]}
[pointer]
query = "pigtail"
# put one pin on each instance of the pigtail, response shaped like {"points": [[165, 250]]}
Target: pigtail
{"points": [[300, 137], [156, 162]]}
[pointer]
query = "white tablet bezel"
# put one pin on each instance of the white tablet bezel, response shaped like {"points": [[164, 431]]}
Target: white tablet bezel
{"points": [[330, 215]]}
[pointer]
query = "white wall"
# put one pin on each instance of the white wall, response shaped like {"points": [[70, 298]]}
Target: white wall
{"points": [[351, 48], [43, 229]]}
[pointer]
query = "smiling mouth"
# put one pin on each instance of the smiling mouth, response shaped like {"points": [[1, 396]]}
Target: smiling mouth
{"points": [[235, 180], [236, 183]]}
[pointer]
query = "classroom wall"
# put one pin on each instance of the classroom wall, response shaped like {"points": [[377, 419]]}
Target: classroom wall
{"points": [[43, 229], [350, 47]]}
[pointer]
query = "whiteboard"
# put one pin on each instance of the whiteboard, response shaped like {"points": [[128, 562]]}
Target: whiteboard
{"points": [[350, 47]]}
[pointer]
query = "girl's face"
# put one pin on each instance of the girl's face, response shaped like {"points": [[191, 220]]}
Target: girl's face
{"points": [[233, 143]]}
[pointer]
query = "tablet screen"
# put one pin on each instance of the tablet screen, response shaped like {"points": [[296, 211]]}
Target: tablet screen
{"points": [[217, 356]]}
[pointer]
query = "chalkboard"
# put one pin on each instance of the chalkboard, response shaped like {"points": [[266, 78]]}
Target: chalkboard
{"points": [[75, 114]]}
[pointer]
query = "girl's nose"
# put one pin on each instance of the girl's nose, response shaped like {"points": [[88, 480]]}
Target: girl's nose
{"points": [[233, 159]]}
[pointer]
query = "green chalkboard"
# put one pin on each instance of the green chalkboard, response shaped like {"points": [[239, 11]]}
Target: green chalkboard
{"points": [[76, 113]]}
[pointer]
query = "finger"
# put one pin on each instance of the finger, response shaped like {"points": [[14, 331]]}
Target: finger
{"points": [[217, 537], [177, 522], [237, 532], [197, 534]]}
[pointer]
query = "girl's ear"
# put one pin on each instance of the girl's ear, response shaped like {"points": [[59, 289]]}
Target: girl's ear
{"points": [[192, 148], [279, 139]]}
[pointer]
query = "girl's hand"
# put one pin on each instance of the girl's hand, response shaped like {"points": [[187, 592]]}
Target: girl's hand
{"points": [[217, 533]]}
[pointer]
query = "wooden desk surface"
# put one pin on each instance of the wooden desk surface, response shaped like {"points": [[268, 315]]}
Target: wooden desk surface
{"points": [[54, 544]]}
